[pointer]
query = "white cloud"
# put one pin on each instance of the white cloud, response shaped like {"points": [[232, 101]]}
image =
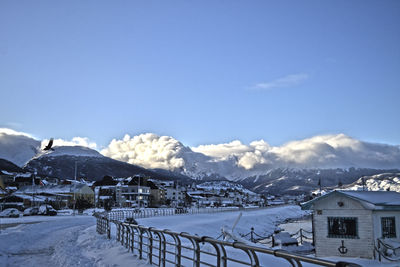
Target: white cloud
{"points": [[236, 159], [147, 150], [17, 147], [222, 150], [8, 131], [326, 151], [75, 141], [286, 81]]}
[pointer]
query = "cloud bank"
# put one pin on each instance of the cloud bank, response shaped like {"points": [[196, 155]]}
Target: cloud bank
{"points": [[17, 147], [147, 150], [235, 159], [232, 160], [326, 151]]}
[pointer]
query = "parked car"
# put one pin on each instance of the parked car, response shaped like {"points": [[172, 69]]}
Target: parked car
{"points": [[47, 210], [10, 213], [31, 211]]}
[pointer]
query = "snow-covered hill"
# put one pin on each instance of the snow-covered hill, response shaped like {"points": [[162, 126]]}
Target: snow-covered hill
{"points": [[76, 151], [378, 182], [224, 186], [61, 161]]}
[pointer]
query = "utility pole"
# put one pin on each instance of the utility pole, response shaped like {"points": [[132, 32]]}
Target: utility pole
{"points": [[139, 192], [74, 188], [320, 186], [33, 189]]}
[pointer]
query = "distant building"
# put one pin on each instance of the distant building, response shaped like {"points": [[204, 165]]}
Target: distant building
{"points": [[348, 223], [135, 192], [157, 194], [64, 194]]}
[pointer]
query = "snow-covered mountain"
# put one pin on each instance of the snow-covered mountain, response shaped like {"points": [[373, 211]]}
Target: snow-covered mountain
{"points": [[291, 168], [237, 161], [295, 181], [60, 163], [378, 182], [75, 151], [17, 147]]}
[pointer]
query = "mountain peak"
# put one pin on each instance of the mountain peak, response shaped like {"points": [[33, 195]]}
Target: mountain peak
{"points": [[77, 151]]}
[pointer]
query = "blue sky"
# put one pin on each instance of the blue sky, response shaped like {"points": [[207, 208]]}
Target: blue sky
{"points": [[201, 71]]}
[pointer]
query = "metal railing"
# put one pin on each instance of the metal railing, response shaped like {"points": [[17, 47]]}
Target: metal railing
{"points": [[169, 248], [385, 251], [122, 214], [300, 236]]}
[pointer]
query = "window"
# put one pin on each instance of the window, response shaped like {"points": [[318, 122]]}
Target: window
{"points": [[388, 227], [342, 227]]}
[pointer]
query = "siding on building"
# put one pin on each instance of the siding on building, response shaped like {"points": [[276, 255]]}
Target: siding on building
{"points": [[362, 246]]}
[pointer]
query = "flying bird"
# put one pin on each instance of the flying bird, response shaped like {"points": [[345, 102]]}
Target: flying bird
{"points": [[49, 145]]}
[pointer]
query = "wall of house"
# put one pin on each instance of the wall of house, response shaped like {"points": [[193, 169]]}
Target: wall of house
{"points": [[363, 246], [87, 193], [377, 215]]}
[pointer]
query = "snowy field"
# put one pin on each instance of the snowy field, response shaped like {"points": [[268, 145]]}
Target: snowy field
{"points": [[73, 241]]}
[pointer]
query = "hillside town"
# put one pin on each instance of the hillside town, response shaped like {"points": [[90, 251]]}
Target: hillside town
{"points": [[22, 190]]}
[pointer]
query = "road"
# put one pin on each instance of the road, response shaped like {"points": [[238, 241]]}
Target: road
{"points": [[44, 243]]}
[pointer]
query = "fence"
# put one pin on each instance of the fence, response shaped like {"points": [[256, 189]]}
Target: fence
{"points": [[386, 251], [122, 214], [300, 236], [168, 248]]}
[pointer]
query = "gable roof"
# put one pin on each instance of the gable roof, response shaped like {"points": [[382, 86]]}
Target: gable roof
{"points": [[375, 200]]}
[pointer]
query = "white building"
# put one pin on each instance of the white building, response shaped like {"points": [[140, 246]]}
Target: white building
{"points": [[349, 223], [175, 194]]}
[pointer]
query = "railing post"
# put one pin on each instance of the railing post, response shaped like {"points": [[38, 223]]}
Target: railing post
{"points": [[118, 232], [108, 229], [301, 236], [150, 246], [140, 243], [133, 239], [379, 250]]}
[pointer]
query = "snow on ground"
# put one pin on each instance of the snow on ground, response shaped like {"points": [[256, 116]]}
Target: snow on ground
{"points": [[59, 241], [73, 241], [264, 221]]}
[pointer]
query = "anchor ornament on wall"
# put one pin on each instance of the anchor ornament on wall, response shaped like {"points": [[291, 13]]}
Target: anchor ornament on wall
{"points": [[342, 249]]}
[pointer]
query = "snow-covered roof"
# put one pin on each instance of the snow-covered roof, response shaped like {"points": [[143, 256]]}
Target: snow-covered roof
{"points": [[375, 200], [375, 197], [51, 189], [36, 198]]}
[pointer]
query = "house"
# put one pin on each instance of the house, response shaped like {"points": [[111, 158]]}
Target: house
{"points": [[157, 194], [175, 195], [349, 223], [135, 192], [59, 195], [105, 191]]}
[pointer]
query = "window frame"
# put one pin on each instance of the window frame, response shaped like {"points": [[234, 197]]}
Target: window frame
{"points": [[389, 235], [347, 236]]}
